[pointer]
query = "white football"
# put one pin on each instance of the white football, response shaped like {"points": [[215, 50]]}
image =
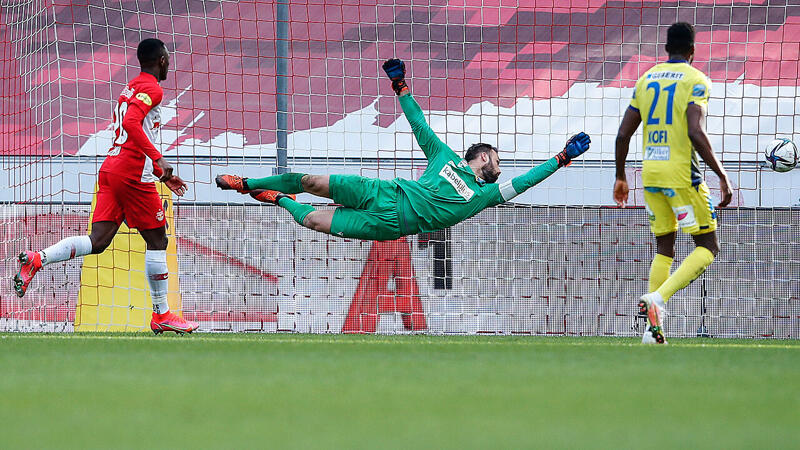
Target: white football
{"points": [[781, 155]]}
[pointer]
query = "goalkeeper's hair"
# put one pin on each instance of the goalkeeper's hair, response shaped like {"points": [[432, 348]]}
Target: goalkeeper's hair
{"points": [[680, 38], [476, 149], [149, 50]]}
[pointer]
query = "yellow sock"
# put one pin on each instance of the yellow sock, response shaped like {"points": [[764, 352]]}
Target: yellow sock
{"points": [[659, 271], [691, 267]]}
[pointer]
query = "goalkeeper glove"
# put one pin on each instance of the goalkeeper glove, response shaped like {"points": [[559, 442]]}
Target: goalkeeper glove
{"points": [[396, 71], [576, 146]]}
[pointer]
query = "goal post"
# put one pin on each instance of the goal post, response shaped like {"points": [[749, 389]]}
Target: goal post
{"points": [[241, 97], [113, 293]]}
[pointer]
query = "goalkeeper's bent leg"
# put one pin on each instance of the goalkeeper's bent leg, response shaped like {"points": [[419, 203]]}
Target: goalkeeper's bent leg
{"points": [[299, 211], [288, 183]]}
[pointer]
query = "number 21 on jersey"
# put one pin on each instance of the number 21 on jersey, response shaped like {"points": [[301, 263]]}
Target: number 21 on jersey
{"points": [[652, 119]]}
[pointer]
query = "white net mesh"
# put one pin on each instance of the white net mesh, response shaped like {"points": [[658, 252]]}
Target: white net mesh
{"points": [[522, 77]]}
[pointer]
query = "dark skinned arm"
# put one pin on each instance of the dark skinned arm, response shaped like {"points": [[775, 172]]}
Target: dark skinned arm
{"points": [[695, 116], [630, 122]]}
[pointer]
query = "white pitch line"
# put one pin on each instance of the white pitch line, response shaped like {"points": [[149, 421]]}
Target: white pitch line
{"points": [[532, 342]]}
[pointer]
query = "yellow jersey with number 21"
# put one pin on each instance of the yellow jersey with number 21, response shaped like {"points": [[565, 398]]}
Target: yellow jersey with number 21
{"points": [[662, 96]]}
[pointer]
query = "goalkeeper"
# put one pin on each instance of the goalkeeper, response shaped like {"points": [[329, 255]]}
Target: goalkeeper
{"points": [[451, 189]]}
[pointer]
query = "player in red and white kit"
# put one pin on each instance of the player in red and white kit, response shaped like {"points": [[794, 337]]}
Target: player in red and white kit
{"points": [[127, 191]]}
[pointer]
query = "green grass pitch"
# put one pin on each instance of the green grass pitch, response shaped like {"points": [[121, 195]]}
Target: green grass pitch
{"points": [[333, 391]]}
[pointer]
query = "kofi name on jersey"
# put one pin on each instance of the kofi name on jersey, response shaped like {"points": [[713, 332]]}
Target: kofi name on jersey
{"points": [[657, 152]]}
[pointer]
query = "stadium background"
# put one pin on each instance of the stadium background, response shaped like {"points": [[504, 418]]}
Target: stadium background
{"points": [[522, 75]]}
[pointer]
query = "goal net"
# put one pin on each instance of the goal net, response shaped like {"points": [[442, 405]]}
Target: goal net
{"points": [[259, 87]]}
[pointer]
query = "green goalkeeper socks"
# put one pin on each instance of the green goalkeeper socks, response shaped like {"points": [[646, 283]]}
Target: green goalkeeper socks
{"points": [[298, 210], [288, 183]]}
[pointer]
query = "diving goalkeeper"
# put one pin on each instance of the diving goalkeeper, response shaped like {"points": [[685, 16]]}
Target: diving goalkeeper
{"points": [[451, 189]]}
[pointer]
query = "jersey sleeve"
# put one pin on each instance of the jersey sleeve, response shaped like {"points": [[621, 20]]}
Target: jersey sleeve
{"points": [[517, 185], [495, 196], [430, 143], [700, 91], [138, 107], [634, 101]]}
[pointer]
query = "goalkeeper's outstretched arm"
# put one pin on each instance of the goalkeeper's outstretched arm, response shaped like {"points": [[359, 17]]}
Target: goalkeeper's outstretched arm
{"points": [[430, 143], [576, 146]]}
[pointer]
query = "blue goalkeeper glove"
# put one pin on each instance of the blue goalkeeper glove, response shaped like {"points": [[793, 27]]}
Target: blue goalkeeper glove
{"points": [[396, 71], [576, 146]]}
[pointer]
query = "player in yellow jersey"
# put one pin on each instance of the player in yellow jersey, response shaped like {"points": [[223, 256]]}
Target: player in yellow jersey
{"points": [[671, 99]]}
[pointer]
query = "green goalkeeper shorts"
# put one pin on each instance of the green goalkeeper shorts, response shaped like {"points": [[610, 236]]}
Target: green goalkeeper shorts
{"points": [[369, 208]]}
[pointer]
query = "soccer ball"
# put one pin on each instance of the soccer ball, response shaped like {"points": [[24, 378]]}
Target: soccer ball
{"points": [[781, 155]]}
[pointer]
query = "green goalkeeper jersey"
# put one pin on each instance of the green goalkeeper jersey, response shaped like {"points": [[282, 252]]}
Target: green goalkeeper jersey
{"points": [[449, 191]]}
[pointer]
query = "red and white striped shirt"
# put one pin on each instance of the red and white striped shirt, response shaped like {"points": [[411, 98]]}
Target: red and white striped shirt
{"points": [[137, 122]]}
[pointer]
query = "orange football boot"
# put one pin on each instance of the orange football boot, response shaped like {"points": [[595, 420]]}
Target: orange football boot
{"points": [[170, 321], [649, 307], [30, 263], [268, 196], [232, 182]]}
